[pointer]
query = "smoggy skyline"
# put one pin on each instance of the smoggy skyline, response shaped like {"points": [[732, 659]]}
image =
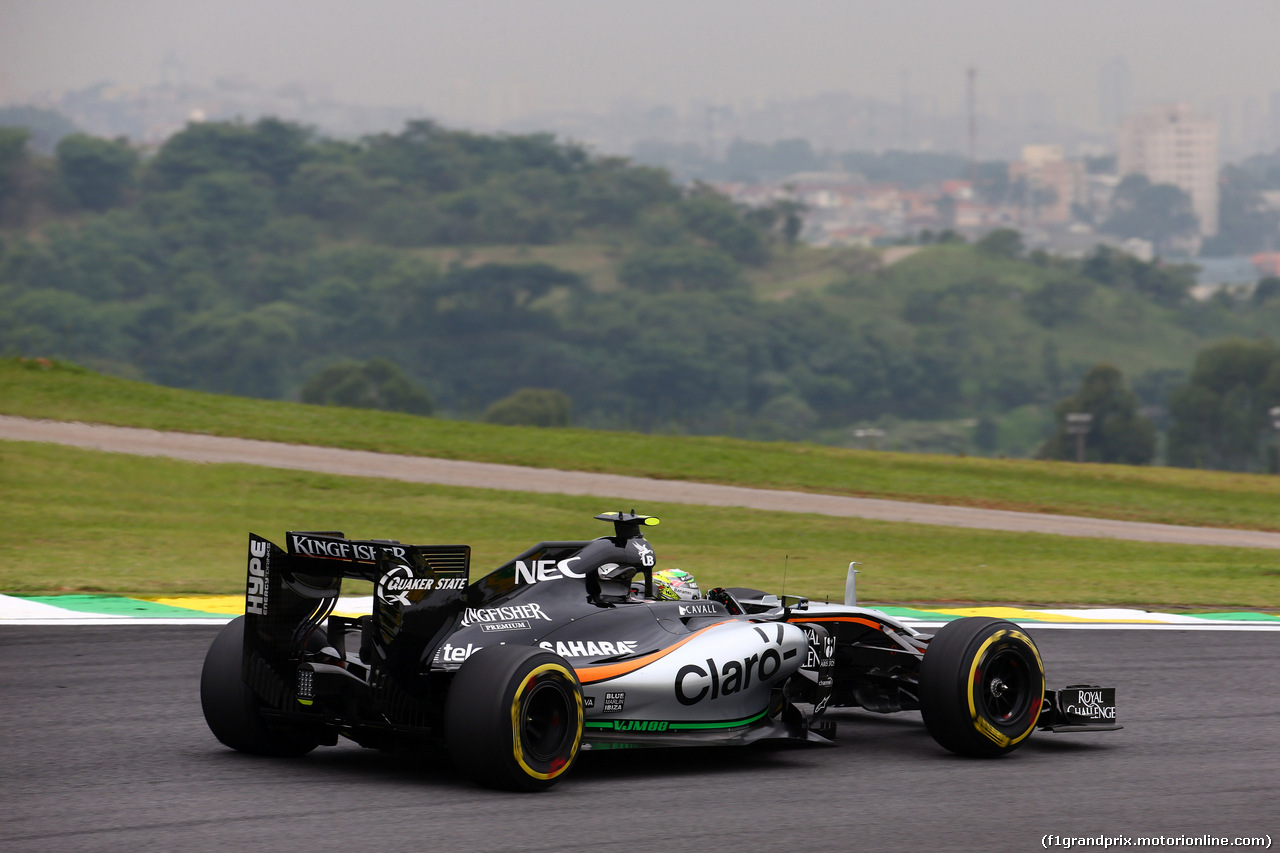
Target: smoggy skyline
{"points": [[488, 58]]}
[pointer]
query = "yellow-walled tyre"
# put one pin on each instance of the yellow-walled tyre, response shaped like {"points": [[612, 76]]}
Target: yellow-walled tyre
{"points": [[981, 686], [513, 718]]}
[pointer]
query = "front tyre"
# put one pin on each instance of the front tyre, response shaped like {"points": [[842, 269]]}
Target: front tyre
{"points": [[232, 710], [513, 717], [981, 686]]}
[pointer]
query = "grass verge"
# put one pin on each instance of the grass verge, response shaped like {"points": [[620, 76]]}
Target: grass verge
{"points": [[1169, 495], [79, 521]]}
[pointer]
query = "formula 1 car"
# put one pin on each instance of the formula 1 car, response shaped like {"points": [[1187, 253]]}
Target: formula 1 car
{"points": [[566, 647]]}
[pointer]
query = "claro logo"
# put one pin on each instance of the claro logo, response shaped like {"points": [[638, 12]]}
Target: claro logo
{"points": [[692, 684], [255, 596], [695, 683]]}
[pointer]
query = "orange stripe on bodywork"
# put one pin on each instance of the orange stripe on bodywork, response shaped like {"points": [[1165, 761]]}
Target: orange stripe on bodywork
{"points": [[870, 624], [592, 674]]}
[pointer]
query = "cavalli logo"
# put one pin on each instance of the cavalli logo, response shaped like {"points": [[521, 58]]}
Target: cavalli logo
{"points": [[394, 587], [255, 597], [341, 549], [503, 614], [700, 610]]}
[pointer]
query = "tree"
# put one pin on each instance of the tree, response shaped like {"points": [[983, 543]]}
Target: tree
{"points": [[1245, 223], [13, 150], [1165, 283], [540, 407], [1002, 242], [1220, 417], [45, 127], [712, 217], [1160, 213], [1060, 299], [96, 171], [681, 268], [1118, 432], [272, 148], [376, 384]]}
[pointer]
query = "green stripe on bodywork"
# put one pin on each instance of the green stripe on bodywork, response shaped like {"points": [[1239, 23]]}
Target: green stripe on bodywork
{"points": [[673, 725]]}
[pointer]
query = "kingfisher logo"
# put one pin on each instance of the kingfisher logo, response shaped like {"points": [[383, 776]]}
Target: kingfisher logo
{"points": [[510, 613], [341, 549]]}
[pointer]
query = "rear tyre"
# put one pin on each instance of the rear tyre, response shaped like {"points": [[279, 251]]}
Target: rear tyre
{"points": [[981, 687], [513, 718], [233, 711]]}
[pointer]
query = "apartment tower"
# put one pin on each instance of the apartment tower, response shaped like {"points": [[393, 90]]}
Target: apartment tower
{"points": [[1170, 144]]}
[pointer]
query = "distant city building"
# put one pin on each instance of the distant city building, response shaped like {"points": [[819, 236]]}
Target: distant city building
{"points": [[1115, 86], [1170, 144], [1052, 184]]}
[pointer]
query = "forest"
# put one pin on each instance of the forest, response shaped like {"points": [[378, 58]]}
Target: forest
{"points": [[524, 279]]}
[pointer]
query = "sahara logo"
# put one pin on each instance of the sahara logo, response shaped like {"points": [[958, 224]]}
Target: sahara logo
{"points": [[590, 648]]}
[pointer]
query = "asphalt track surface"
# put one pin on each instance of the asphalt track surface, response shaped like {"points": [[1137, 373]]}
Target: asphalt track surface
{"points": [[419, 469], [105, 749]]}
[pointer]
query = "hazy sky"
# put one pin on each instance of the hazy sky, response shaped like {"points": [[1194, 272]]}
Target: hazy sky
{"points": [[586, 53]]}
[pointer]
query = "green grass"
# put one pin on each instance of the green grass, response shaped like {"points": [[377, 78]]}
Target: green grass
{"points": [[79, 521], [1169, 495]]}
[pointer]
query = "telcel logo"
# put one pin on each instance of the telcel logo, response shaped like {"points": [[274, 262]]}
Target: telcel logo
{"points": [[455, 654]]}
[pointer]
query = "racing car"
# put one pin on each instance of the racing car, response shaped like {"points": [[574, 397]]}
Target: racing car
{"points": [[586, 645]]}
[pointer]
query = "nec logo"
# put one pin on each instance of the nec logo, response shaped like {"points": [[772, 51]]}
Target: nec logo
{"points": [[536, 571]]}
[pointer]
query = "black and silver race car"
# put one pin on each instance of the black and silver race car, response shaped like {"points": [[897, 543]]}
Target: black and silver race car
{"points": [[576, 645]]}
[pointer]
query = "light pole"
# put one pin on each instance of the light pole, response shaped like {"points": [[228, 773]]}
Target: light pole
{"points": [[1275, 424], [1079, 424], [871, 434]]}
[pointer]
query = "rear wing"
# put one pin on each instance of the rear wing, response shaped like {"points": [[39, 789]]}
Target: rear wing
{"points": [[289, 593]]}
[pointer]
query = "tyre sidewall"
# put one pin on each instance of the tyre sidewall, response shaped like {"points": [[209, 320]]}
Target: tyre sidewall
{"points": [[232, 710], [952, 682], [485, 710]]}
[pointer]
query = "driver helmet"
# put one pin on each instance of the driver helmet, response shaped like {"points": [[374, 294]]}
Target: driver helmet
{"points": [[675, 585]]}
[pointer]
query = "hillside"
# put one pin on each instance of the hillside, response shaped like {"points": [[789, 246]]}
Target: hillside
{"points": [[248, 259]]}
